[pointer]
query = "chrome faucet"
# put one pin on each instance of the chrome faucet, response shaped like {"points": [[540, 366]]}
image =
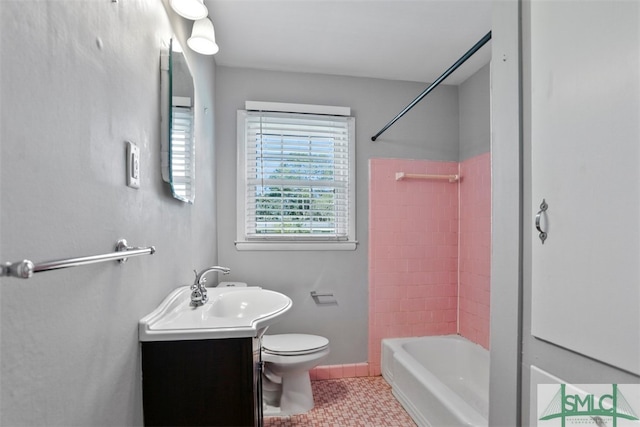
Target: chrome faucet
{"points": [[199, 290]]}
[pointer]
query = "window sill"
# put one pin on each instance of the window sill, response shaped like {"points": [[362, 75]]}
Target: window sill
{"points": [[296, 246]]}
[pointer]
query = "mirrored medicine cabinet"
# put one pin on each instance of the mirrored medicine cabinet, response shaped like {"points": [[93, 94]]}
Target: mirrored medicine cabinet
{"points": [[177, 122]]}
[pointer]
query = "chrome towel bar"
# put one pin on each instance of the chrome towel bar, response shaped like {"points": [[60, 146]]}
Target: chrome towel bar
{"points": [[25, 269]]}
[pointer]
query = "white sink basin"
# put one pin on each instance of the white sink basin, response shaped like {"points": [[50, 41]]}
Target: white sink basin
{"points": [[229, 313]]}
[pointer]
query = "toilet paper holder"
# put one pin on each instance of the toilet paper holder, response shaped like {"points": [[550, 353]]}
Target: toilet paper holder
{"points": [[324, 297], [316, 294]]}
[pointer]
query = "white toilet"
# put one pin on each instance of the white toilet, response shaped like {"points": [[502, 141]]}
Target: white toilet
{"points": [[288, 358]]}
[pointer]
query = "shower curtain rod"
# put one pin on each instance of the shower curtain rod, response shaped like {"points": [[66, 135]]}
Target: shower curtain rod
{"points": [[439, 80]]}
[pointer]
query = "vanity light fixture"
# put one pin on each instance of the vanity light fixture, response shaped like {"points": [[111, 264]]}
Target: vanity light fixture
{"points": [[190, 9], [203, 37]]}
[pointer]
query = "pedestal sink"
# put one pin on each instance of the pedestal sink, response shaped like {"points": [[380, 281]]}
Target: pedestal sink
{"points": [[229, 313]]}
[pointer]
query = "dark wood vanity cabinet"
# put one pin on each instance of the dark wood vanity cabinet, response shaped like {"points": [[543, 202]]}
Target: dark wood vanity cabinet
{"points": [[202, 383]]}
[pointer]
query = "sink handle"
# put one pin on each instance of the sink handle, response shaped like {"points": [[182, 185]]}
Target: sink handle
{"points": [[198, 298]]}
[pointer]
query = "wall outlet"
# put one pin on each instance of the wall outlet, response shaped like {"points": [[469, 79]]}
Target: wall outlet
{"points": [[133, 165]]}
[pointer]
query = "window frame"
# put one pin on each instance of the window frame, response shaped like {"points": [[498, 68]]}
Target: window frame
{"points": [[292, 241]]}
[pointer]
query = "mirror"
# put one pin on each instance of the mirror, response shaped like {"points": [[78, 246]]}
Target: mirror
{"points": [[178, 123]]}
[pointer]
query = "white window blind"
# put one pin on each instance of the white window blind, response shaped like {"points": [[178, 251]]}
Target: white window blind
{"points": [[298, 177], [182, 159]]}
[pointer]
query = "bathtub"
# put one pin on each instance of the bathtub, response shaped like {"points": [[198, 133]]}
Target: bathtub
{"points": [[440, 381]]}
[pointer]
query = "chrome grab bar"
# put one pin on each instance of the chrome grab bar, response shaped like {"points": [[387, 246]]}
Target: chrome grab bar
{"points": [[25, 269]]}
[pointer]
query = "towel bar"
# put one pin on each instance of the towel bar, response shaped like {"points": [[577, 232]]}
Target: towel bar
{"points": [[25, 269]]}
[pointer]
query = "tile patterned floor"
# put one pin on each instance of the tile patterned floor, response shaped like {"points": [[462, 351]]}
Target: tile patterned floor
{"points": [[349, 402]]}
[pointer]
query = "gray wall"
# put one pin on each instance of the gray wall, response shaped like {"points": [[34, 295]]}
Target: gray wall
{"points": [[475, 114], [77, 80], [429, 131]]}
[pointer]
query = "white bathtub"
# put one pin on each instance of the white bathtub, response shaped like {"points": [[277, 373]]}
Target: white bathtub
{"points": [[441, 381]]}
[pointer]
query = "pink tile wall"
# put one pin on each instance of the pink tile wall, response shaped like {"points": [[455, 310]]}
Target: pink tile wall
{"points": [[413, 253], [475, 249], [429, 255]]}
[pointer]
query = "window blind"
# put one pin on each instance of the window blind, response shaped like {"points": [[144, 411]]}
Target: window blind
{"points": [[182, 160], [297, 176]]}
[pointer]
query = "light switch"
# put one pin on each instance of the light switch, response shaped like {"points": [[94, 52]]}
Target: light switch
{"points": [[133, 165]]}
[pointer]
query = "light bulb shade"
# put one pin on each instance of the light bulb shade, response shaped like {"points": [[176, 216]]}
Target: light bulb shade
{"points": [[190, 9], [203, 37]]}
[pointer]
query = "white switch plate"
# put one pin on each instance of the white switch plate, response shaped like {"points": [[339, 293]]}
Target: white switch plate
{"points": [[133, 165]]}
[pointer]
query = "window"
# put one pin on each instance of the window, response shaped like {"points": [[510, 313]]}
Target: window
{"points": [[181, 157], [296, 179]]}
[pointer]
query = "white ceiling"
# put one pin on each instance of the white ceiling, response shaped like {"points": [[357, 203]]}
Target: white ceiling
{"points": [[414, 40]]}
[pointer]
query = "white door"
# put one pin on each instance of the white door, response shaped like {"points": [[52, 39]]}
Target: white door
{"points": [[585, 125]]}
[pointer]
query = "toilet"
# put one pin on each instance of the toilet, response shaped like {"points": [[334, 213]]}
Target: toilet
{"points": [[288, 358]]}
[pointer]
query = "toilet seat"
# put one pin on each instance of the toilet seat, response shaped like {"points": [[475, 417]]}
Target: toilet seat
{"points": [[293, 344]]}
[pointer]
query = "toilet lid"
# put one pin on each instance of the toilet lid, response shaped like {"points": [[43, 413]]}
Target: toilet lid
{"points": [[293, 344]]}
